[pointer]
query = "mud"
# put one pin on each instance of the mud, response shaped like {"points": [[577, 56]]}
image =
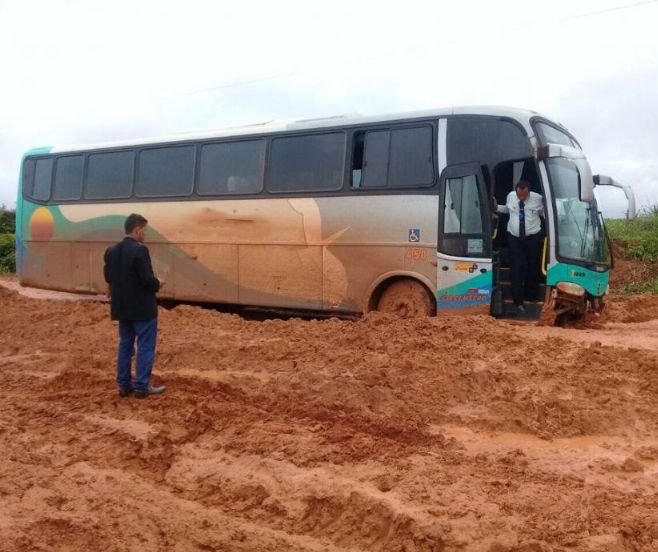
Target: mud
{"points": [[632, 308], [628, 271], [382, 434]]}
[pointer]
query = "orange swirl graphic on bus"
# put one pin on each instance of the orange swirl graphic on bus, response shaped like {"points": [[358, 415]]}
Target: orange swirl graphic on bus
{"points": [[42, 225]]}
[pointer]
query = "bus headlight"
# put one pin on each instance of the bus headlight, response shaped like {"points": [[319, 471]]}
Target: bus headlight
{"points": [[571, 289]]}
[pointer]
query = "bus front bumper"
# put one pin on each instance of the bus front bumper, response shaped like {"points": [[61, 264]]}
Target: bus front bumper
{"points": [[567, 301]]}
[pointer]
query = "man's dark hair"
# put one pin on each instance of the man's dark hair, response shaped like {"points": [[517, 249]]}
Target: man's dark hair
{"points": [[522, 185], [134, 221]]}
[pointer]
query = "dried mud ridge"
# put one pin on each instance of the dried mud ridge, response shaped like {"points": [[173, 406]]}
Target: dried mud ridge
{"points": [[382, 434]]}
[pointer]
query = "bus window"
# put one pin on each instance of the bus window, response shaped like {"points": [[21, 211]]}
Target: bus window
{"points": [[68, 178], [165, 172], [411, 157], [550, 135], [28, 177], [110, 175], [231, 168], [398, 158], [486, 141], [463, 230], [357, 159], [308, 163], [43, 174], [375, 162], [462, 206]]}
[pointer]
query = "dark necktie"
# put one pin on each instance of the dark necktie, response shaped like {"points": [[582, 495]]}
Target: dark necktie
{"points": [[521, 220]]}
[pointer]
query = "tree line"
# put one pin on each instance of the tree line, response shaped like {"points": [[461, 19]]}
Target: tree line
{"points": [[7, 240]]}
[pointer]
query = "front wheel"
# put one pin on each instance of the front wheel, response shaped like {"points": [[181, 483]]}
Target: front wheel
{"points": [[406, 298]]}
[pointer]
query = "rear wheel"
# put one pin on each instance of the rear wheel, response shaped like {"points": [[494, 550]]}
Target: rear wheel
{"points": [[406, 298]]}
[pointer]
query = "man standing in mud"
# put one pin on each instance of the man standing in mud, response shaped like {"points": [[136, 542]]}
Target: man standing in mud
{"points": [[133, 286], [525, 238]]}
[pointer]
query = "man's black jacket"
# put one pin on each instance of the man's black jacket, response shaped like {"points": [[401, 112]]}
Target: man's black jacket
{"points": [[132, 283]]}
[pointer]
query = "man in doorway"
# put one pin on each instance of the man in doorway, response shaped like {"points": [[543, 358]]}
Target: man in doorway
{"points": [[133, 286], [525, 239]]}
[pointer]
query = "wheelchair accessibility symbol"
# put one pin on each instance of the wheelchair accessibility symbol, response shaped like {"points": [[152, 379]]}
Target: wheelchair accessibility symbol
{"points": [[414, 235]]}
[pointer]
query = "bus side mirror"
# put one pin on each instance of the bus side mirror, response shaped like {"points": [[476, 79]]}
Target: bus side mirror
{"points": [[605, 180]]}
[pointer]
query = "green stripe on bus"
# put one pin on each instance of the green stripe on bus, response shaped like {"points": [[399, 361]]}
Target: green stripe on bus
{"points": [[595, 283]]}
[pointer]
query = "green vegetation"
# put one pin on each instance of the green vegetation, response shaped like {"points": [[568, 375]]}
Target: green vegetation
{"points": [[637, 240], [647, 286], [639, 236], [7, 240]]}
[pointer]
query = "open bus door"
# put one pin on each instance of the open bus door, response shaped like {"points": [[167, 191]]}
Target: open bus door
{"points": [[464, 275]]}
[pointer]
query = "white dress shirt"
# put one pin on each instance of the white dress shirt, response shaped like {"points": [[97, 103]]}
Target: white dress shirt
{"points": [[533, 208]]}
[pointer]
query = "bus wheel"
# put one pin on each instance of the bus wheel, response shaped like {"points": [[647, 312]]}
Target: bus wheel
{"points": [[406, 298]]}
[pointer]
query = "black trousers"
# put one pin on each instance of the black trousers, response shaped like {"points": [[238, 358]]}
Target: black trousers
{"points": [[524, 258]]}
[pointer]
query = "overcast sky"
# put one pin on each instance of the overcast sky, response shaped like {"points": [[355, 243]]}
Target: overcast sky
{"points": [[89, 71]]}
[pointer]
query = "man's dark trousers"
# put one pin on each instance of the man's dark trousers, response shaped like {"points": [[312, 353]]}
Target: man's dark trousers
{"points": [[524, 257], [146, 333]]}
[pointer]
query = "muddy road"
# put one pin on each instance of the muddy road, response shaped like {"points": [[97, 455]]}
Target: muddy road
{"points": [[382, 434]]}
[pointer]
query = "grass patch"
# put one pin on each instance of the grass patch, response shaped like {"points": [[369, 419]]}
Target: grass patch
{"points": [[7, 240], [646, 286], [639, 237], [7, 254], [637, 240]]}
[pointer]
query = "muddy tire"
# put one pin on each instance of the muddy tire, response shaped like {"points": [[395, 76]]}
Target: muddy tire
{"points": [[406, 298]]}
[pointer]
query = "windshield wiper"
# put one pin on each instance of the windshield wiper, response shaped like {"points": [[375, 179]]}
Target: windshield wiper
{"points": [[583, 244]]}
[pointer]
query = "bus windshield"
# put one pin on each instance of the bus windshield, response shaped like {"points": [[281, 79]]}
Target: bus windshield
{"points": [[580, 234]]}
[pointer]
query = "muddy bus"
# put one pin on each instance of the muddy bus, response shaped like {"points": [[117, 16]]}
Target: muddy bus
{"points": [[343, 215]]}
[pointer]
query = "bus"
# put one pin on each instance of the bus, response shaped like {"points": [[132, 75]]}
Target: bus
{"points": [[342, 215]]}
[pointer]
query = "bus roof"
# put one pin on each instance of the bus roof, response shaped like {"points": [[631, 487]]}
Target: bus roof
{"points": [[523, 116]]}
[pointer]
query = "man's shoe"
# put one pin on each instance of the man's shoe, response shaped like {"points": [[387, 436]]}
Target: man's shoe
{"points": [[125, 391], [520, 310], [150, 390]]}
